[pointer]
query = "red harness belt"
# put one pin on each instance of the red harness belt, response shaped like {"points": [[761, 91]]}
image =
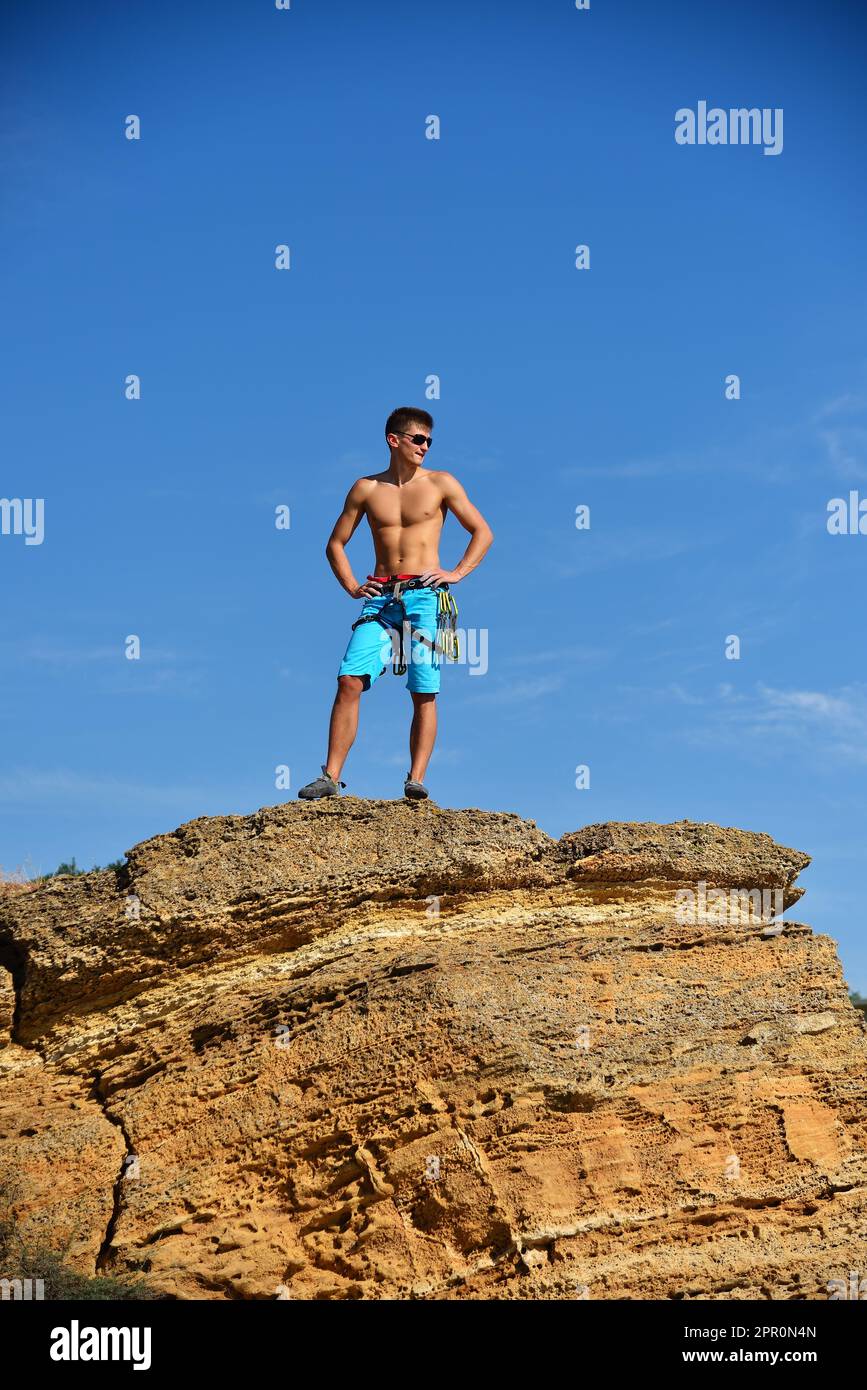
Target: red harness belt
{"points": [[387, 578]]}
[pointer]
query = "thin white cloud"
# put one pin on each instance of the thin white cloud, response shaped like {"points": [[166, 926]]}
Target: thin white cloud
{"points": [[846, 450], [516, 693], [33, 787], [630, 546], [821, 724], [566, 653], [685, 697], [159, 671], [847, 403], [664, 465], [834, 434], [56, 654]]}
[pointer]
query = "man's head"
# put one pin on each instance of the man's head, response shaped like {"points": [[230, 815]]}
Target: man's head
{"points": [[403, 430]]}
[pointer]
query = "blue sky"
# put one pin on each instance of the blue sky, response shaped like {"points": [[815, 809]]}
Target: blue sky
{"points": [[559, 387]]}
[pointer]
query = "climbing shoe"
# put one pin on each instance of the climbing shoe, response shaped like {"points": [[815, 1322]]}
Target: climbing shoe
{"points": [[323, 786], [414, 791]]}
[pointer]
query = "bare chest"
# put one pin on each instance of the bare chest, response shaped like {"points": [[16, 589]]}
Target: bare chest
{"points": [[413, 505]]}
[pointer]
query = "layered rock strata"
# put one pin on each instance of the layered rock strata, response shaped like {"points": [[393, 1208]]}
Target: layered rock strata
{"points": [[377, 1050]]}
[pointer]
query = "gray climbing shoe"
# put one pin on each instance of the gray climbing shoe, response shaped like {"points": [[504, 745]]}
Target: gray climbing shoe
{"points": [[415, 791], [323, 786]]}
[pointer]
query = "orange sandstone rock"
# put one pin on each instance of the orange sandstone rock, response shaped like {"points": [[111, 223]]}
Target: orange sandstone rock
{"points": [[377, 1050]]}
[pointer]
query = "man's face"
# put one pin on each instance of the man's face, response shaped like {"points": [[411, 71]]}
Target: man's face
{"points": [[406, 450]]}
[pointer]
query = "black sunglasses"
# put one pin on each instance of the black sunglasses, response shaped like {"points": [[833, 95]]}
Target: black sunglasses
{"points": [[417, 438]]}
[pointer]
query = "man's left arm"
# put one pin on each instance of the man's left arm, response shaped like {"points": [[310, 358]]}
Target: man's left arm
{"points": [[471, 519]]}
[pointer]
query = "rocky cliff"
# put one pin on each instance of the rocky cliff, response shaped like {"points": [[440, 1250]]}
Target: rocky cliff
{"points": [[378, 1050]]}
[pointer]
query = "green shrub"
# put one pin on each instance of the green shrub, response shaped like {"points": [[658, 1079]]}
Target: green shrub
{"points": [[22, 1260], [70, 867]]}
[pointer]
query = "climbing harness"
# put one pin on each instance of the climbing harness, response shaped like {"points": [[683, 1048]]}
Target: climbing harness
{"points": [[445, 643]]}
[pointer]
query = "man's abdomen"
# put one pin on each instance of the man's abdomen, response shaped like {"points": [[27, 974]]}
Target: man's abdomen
{"points": [[407, 549]]}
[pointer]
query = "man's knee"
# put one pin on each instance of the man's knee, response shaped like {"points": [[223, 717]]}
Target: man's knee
{"points": [[423, 697], [350, 687]]}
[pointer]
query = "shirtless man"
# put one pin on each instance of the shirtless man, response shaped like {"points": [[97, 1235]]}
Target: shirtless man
{"points": [[405, 507]]}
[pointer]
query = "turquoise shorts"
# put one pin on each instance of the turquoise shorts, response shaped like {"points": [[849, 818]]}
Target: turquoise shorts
{"points": [[372, 647]]}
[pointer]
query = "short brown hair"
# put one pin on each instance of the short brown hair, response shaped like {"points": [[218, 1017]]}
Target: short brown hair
{"points": [[405, 415]]}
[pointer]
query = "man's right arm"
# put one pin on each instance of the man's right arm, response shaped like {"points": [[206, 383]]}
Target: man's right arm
{"points": [[344, 528]]}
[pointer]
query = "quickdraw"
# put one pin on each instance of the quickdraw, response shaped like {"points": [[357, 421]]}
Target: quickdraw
{"points": [[445, 644]]}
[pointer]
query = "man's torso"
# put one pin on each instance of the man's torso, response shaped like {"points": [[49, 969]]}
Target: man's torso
{"points": [[405, 522]]}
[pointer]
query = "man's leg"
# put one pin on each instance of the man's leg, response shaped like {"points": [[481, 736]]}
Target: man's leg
{"points": [[344, 723], [422, 734]]}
